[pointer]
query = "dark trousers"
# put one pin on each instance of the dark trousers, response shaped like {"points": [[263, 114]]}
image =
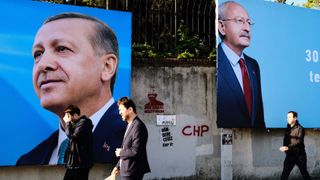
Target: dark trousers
{"points": [[77, 174], [135, 177], [300, 161]]}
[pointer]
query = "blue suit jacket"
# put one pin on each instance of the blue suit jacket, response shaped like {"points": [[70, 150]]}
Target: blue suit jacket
{"points": [[232, 111], [107, 136], [134, 152]]}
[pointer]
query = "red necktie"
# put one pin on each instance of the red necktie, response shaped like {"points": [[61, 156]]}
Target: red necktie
{"points": [[246, 84]]}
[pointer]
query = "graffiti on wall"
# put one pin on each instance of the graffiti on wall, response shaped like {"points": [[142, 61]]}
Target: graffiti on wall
{"points": [[195, 130], [227, 139], [167, 138], [154, 105], [165, 121]]}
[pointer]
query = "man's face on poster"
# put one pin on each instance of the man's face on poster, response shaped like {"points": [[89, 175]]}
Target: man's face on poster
{"points": [[66, 68], [235, 27]]}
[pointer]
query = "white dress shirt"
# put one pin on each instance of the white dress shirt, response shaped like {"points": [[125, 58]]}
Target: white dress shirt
{"points": [[234, 61]]}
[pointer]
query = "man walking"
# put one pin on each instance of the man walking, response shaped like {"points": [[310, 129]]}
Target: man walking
{"points": [[80, 150], [133, 163], [293, 146]]}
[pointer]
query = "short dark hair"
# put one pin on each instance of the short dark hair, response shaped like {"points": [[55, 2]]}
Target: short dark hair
{"points": [[127, 103], [103, 41], [72, 109], [295, 114]]}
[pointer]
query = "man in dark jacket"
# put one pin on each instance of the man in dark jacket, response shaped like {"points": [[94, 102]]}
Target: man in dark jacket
{"points": [[80, 150], [133, 163], [293, 146]]}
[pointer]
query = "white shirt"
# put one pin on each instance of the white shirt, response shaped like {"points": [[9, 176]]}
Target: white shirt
{"points": [[234, 61], [128, 126], [95, 118]]}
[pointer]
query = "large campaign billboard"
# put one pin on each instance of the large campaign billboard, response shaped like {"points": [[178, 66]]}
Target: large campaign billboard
{"points": [[26, 126], [280, 48]]}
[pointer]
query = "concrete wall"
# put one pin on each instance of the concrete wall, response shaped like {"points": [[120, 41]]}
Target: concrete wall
{"points": [[187, 93], [256, 154], [190, 149]]}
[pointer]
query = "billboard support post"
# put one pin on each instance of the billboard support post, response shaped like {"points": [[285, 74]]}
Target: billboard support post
{"points": [[226, 154]]}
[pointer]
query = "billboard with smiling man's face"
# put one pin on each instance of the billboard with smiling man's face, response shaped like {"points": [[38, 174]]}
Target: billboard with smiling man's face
{"points": [[52, 56]]}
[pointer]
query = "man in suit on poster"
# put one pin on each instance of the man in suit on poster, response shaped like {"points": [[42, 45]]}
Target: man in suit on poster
{"points": [[239, 99], [133, 163], [76, 57]]}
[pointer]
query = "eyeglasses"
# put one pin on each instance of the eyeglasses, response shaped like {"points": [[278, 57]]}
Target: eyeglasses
{"points": [[240, 21]]}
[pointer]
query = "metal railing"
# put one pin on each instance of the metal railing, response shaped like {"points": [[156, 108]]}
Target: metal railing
{"points": [[156, 22]]}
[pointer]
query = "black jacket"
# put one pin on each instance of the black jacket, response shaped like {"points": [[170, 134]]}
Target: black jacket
{"points": [[294, 139], [81, 147], [107, 136]]}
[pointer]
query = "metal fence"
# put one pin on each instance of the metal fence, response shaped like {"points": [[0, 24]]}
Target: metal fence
{"points": [[156, 22]]}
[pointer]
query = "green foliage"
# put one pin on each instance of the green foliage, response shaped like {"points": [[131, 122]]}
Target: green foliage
{"points": [[166, 43], [190, 46], [185, 55], [311, 4], [143, 51], [308, 3], [212, 55]]}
